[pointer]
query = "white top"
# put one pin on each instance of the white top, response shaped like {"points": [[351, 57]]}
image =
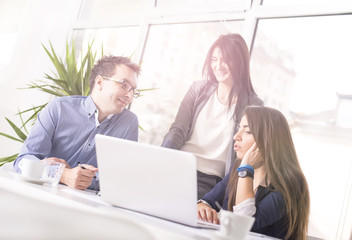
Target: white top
{"points": [[246, 208], [211, 137]]}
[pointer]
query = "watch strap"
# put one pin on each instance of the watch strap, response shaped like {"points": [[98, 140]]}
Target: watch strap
{"points": [[245, 173]]}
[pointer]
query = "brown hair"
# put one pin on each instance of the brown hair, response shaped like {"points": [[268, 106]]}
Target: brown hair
{"points": [[234, 50], [273, 138], [106, 67]]}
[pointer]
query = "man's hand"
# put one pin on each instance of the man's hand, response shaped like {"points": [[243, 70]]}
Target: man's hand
{"points": [[79, 177], [206, 213], [54, 160]]}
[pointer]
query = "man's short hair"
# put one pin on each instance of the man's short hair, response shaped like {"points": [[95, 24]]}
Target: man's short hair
{"points": [[106, 67]]}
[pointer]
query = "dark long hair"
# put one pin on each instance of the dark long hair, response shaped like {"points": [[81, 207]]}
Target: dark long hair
{"points": [[274, 141], [234, 50]]}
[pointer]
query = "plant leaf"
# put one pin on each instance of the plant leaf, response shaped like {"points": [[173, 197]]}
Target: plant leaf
{"points": [[17, 130], [140, 127], [8, 159], [13, 138], [148, 89], [33, 117], [65, 79]]}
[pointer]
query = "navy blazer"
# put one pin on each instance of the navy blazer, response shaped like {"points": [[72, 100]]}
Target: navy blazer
{"points": [[270, 216]]}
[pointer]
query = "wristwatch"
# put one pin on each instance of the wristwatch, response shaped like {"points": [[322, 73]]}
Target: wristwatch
{"points": [[245, 173]]}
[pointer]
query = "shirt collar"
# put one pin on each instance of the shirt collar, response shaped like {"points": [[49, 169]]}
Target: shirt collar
{"points": [[90, 107], [97, 123], [92, 110]]}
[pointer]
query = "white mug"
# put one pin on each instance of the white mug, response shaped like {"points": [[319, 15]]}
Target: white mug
{"points": [[234, 226], [31, 168]]}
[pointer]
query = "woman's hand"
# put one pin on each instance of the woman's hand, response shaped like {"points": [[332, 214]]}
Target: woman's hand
{"points": [[253, 157], [206, 213]]}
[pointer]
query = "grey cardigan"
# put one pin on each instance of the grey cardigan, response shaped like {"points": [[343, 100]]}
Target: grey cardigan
{"points": [[194, 101]]}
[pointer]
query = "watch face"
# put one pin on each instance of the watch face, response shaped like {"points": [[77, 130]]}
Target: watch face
{"points": [[245, 173], [242, 173]]}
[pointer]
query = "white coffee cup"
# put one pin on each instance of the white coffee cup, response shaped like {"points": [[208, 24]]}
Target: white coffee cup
{"points": [[31, 168], [234, 226]]}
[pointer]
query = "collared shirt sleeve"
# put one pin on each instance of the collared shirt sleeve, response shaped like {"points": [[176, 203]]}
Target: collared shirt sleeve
{"points": [[38, 144], [202, 201], [217, 194], [246, 208]]}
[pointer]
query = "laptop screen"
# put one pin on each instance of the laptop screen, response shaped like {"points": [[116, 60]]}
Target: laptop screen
{"points": [[149, 179]]}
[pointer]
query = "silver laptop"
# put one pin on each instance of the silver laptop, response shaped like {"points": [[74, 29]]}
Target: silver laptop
{"points": [[149, 179]]}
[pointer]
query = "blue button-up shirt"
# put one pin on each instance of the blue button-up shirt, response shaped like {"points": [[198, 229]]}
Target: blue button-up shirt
{"points": [[66, 128]]}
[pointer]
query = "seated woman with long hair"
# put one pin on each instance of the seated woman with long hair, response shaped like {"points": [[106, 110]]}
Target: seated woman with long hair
{"points": [[266, 181]]}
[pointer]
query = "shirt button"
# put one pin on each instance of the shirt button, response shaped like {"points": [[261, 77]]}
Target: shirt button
{"points": [[89, 145]]}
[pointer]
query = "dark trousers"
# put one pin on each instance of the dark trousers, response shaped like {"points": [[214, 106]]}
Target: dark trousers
{"points": [[206, 183]]}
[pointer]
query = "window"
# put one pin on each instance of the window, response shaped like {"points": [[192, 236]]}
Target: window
{"points": [[319, 2], [114, 11], [121, 41], [311, 58], [205, 5], [313, 66], [10, 18]]}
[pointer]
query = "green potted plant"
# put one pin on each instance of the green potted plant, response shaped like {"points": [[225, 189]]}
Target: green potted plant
{"points": [[69, 78]]}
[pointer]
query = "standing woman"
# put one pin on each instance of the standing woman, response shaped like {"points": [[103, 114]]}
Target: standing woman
{"points": [[211, 110], [267, 182]]}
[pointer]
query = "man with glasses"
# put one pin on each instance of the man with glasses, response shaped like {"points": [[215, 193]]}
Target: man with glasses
{"points": [[65, 129]]}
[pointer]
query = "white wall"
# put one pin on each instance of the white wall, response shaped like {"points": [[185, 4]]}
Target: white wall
{"points": [[42, 20]]}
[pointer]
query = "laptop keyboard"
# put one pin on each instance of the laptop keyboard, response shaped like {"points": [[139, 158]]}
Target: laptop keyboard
{"points": [[205, 224]]}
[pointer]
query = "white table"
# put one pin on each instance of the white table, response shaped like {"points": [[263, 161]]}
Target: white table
{"points": [[32, 211]]}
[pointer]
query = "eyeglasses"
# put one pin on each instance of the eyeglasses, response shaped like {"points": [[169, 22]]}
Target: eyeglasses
{"points": [[126, 85]]}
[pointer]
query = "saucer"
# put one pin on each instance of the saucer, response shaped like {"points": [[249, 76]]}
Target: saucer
{"points": [[27, 179]]}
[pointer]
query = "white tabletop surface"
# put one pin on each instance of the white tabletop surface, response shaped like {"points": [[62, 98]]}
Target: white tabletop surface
{"points": [[35, 211]]}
